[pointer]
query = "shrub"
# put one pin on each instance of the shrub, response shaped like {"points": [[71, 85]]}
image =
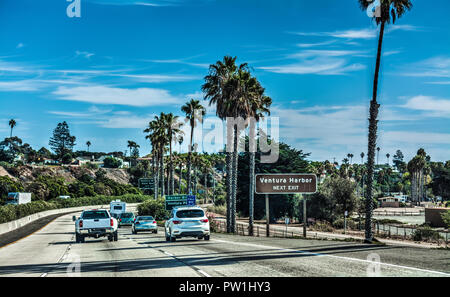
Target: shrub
{"points": [[14, 212], [213, 227], [388, 221], [8, 185], [426, 234], [323, 226], [155, 208], [339, 224], [446, 218], [222, 209], [111, 162]]}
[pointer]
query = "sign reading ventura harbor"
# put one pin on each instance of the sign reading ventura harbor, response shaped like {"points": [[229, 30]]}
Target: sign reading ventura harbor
{"points": [[290, 183]]}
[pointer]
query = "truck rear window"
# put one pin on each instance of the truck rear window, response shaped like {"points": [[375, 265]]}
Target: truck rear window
{"points": [[117, 207], [92, 215]]}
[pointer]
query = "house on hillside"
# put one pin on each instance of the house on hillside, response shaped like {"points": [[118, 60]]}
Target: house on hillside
{"points": [[101, 161]]}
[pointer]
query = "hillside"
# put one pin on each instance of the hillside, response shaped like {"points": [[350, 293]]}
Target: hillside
{"points": [[28, 174]]}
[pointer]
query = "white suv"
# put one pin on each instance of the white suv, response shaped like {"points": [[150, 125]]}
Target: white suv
{"points": [[187, 221]]}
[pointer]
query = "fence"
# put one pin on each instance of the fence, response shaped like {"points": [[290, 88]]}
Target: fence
{"points": [[258, 230], [398, 213], [404, 232], [394, 231]]}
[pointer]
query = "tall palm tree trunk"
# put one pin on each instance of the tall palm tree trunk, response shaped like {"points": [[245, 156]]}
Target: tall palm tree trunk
{"points": [[155, 174], [252, 193], [234, 180], [373, 123], [161, 160], [180, 178], [172, 183], [206, 187], [190, 161], [229, 164]]}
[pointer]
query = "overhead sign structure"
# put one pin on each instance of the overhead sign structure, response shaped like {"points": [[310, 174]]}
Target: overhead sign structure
{"points": [[146, 183], [292, 183], [179, 200]]}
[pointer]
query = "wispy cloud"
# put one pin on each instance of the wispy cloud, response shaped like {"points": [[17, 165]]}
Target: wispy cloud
{"points": [[432, 67], [434, 107], [348, 34], [84, 54], [364, 33], [100, 94]]}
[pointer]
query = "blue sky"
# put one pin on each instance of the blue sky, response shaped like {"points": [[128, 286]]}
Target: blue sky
{"points": [[110, 71]]}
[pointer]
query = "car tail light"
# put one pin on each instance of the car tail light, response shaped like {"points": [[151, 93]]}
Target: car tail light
{"points": [[205, 221], [81, 224], [154, 222], [177, 222], [112, 222]]}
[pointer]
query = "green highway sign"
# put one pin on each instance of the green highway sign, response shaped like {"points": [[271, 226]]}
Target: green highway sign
{"points": [[179, 200], [146, 183]]}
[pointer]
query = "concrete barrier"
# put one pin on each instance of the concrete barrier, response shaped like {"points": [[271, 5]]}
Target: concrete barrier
{"points": [[13, 225]]}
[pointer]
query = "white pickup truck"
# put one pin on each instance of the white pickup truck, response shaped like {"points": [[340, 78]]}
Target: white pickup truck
{"points": [[95, 223]]}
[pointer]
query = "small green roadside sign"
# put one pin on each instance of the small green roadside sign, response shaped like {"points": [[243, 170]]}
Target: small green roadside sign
{"points": [[146, 183], [179, 200]]}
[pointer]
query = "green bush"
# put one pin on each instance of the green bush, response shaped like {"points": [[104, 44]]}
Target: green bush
{"points": [[339, 224], [155, 208], [222, 209], [8, 185], [13, 212], [446, 218], [323, 226], [7, 213], [388, 221], [426, 234], [111, 162]]}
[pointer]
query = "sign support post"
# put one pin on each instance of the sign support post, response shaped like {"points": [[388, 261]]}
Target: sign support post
{"points": [[304, 216], [267, 216]]}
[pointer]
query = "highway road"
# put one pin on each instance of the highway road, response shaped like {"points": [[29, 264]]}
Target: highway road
{"points": [[52, 252]]}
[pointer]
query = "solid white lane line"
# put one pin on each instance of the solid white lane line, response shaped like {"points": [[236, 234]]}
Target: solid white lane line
{"points": [[331, 256]]}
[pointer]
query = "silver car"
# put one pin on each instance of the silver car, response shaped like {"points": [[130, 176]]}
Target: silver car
{"points": [[144, 223]]}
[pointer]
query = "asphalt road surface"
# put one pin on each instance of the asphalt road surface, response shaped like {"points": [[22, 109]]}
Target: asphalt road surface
{"points": [[52, 251]]}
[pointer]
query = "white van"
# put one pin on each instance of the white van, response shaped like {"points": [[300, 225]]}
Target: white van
{"points": [[117, 207]]}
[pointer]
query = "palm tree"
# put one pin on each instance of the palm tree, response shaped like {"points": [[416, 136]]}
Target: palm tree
{"points": [[388, 156], [223, 89], [362, 158], [388, 9], [12, 124], [194, 113], [157, 133], [259, 105], [173, 130], [88, 144]]}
